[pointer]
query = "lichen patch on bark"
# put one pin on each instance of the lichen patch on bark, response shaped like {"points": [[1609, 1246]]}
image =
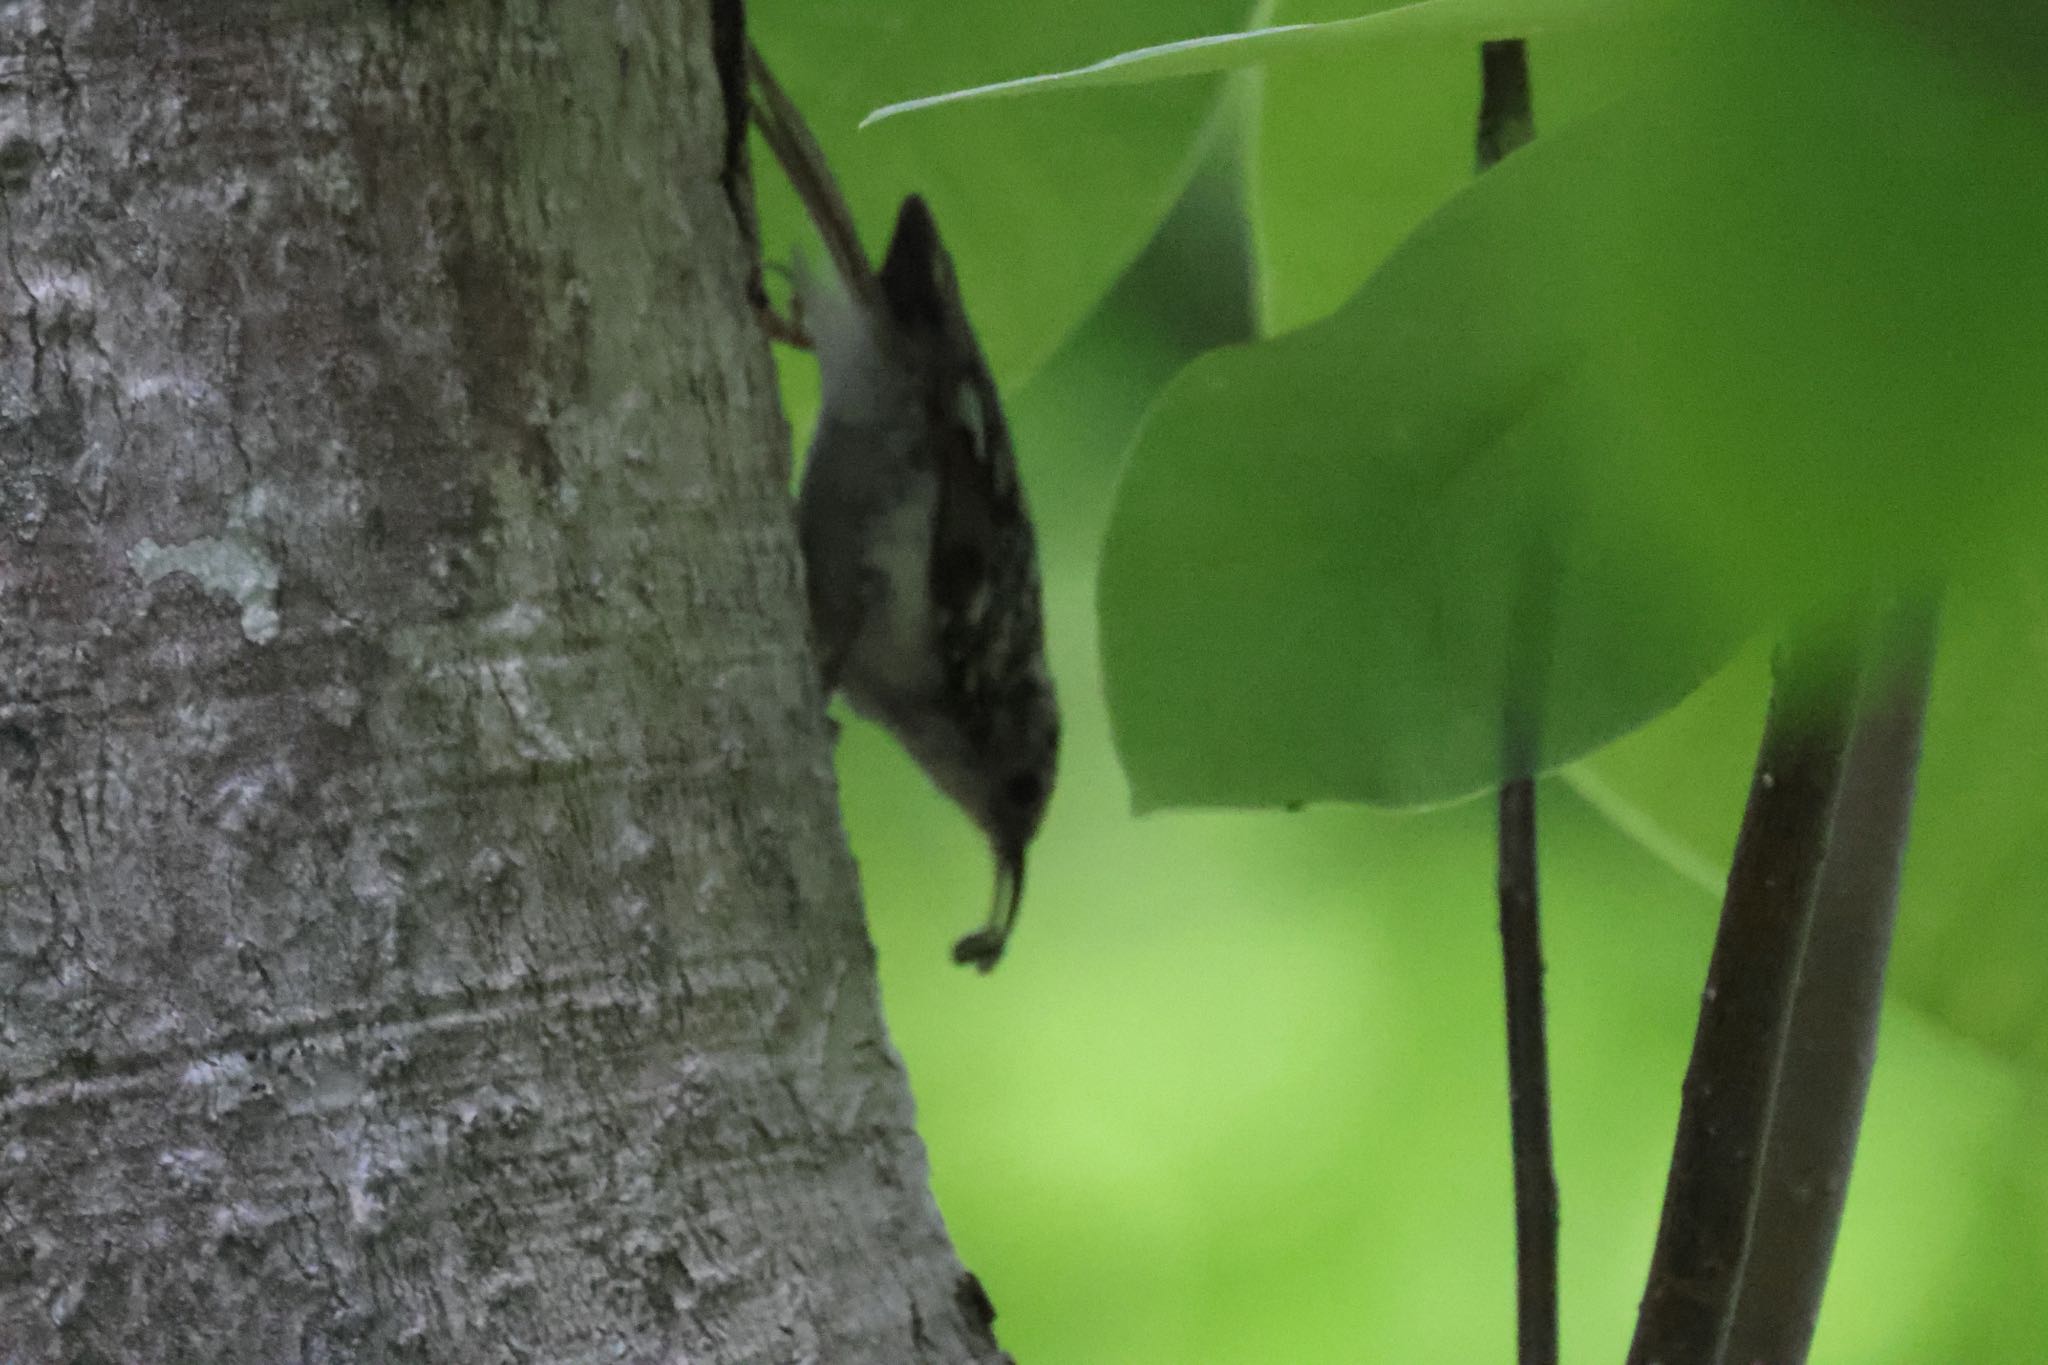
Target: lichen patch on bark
{"points": [[235, 569]]}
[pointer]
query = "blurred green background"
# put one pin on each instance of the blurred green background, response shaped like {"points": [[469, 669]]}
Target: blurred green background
{"points": [[1237, 1092]]}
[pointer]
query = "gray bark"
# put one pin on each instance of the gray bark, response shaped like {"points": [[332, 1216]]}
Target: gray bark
{"points": [[425, 927]]}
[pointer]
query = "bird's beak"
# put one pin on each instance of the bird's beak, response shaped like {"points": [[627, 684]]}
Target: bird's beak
{"points": [[983, 948]]}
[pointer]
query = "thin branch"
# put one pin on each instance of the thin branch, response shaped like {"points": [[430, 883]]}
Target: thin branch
{"points": [[1506, 121], [783, 127], [1710, 1199], [1833, 1044], [1528, 1080], [1507, 111]]}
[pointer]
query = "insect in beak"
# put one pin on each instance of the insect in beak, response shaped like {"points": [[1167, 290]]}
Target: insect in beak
{"points": [[983, 948]]}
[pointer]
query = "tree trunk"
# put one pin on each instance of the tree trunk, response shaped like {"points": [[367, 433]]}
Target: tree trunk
{"points": [[425, 927]]}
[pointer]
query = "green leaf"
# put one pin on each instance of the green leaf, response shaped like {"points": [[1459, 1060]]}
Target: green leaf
{"points": [[1814, 268], [1322, 554], [1357, 147], [1469, 21], [1042, 204], [1368, 116], [1355, 150], [1750, 341]]}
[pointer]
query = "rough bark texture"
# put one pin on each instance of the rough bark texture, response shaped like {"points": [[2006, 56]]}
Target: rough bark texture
{"points": [[425, 928]]}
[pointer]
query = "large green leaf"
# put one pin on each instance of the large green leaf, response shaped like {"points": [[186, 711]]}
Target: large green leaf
{"points": [[1735, 345], [1815, 268], [1467, 21], [1367, 123], [1358, 145], [1043, 203], [1355, 149], [1322, 551]]}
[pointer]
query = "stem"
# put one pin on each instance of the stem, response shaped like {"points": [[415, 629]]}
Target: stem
{"points": [[1507, 121], [1717, 1161], [1507, 111], [1528, 1080], [1833, 1044], [783, 128]]}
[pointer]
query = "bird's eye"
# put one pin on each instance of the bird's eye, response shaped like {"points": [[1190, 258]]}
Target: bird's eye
{"points": [[1024, 789]]}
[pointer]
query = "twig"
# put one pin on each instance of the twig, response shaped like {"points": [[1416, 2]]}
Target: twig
{"points": [[1507, 112], [1528, 1080], [789, 137], [1506, 121], [1833, 1043], [1711, 1196]]}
